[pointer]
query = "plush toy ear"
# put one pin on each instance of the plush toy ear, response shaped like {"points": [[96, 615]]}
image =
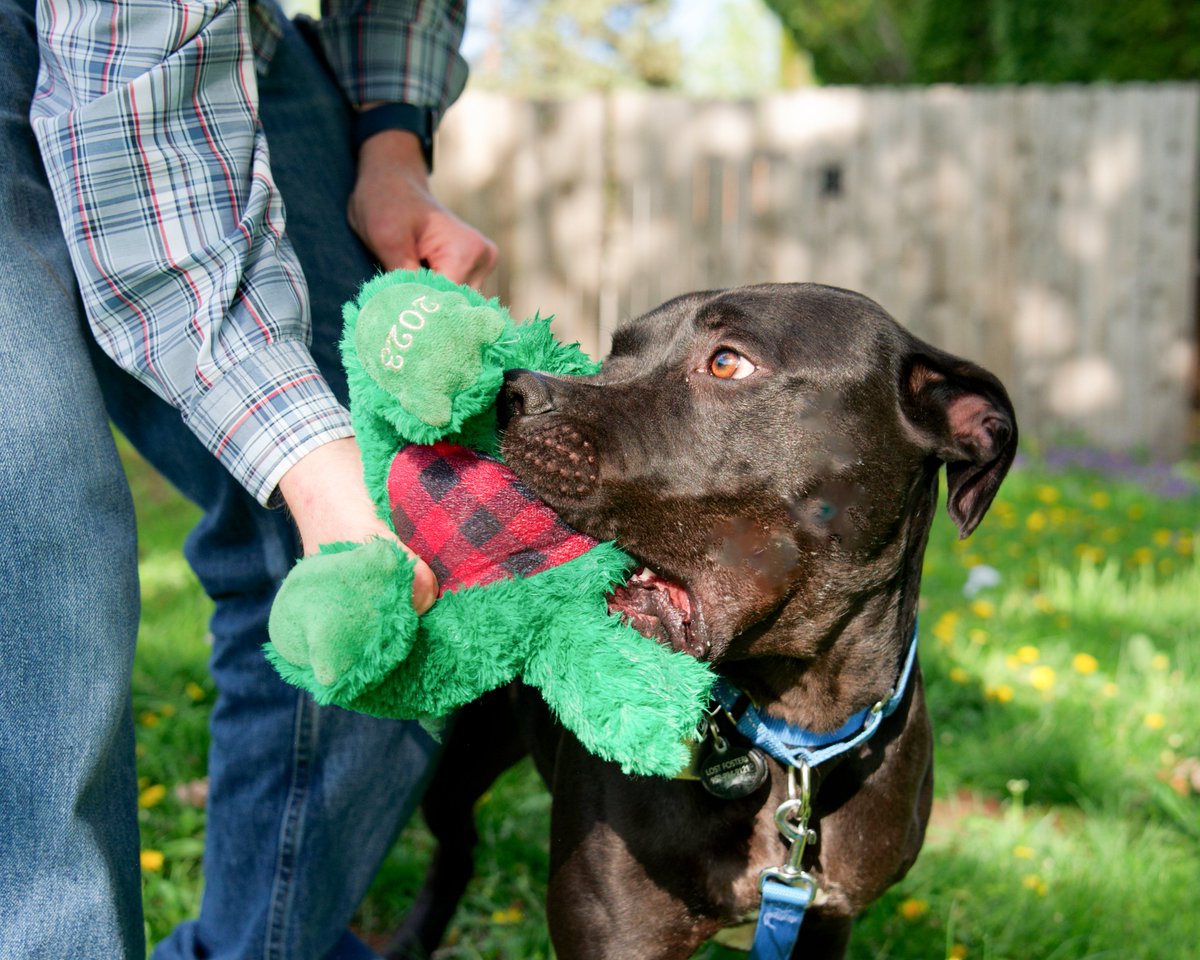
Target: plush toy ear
{"points": [[964, 416]]}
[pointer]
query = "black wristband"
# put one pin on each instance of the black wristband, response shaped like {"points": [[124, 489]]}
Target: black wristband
{"points": [[397, 116]]}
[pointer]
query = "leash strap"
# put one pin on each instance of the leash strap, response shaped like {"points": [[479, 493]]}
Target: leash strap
{"points": [[779, 919]]}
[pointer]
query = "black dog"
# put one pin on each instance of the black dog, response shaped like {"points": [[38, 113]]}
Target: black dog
{"points": [[770, 454]]}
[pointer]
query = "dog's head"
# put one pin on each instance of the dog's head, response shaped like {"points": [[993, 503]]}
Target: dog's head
{"points": [[769, 454]]}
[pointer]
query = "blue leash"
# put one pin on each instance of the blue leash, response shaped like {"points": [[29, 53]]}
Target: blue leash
{"points": [[787, 890]]}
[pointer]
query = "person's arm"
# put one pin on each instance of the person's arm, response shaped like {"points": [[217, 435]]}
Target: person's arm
{"points": [[146, 116], [403, 51]]}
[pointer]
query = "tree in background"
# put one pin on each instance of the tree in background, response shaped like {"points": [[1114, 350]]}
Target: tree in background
{"points": [[994, 41], [566, 47]]}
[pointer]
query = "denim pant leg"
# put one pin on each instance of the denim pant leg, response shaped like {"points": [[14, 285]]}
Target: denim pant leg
{"points": [[304, 802], [69, 874]]}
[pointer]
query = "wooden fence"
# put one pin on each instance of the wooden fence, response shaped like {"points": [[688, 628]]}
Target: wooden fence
{"points": [[1048, 233]]}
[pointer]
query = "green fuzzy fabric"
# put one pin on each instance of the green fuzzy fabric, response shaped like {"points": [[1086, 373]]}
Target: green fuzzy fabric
{"points": [[343, 626]]}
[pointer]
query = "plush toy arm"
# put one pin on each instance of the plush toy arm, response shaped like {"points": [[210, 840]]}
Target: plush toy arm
{"points": [[343, 619]]}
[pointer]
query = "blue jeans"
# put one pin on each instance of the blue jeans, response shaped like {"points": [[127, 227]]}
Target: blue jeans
{"points": [[303, 801]]}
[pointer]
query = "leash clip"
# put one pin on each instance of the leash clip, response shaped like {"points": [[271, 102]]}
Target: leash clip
{"points": [[797, 807]]}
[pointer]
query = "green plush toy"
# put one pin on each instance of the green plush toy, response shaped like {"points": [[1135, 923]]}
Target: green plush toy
{"points": [[523, 595]]}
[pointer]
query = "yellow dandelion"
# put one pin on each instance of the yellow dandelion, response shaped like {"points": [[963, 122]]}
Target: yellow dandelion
{"points": [[1085, 663], [1154, 721], [194, 691], [1110, 534], [1160, 662], [1058, 516], [945, 626], [1048, 494], [1184, 546], [977, 636], [1042, 604], [1036, 521], [913, 909], [1142, 556], [152, 860], [1109, 689], [1022, 852], [1042, 678], [1000, 692], [508, 917], [152, 796], [1031, 881], [167, 710], [956, 952], [1100, 500], [1028, 654], [1136, 511], [959, 675], [1089, 553], [148, 719], [983, 609], [1161, 537]]}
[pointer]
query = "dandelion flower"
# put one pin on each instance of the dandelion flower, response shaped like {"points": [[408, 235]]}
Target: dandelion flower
{"points": [[1028, 654], [1048, 494], [1160, 662], [1100, 499], [1036, 521], [148, 719], [152, 796], [1084, 663], [959, 675], [1000, 692], [1109, 689], [1142, 556], [1161, 538], [508, 917], [152, 860], [1023, 853], [1042, 678], [983, 609], [1042, 604], [194, 691], [956, 952], [1155, 721], [913, 909], [1031, 881]]}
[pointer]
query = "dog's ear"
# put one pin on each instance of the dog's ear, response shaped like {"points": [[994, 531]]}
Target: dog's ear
{"points": [[965, 419]]}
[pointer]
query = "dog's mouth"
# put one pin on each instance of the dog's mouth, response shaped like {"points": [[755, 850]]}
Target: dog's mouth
{"points": [[662, 610]]}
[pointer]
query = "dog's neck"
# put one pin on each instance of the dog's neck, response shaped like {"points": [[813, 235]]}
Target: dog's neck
{"points": [[846, 658]]}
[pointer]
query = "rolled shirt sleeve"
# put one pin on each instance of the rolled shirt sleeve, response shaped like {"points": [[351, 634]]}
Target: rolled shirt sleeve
{"points": [[146, 116], [402, 51]]}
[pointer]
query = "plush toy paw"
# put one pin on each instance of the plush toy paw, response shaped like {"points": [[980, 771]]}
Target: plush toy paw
{"points": [[423, 346], [343, 619]]}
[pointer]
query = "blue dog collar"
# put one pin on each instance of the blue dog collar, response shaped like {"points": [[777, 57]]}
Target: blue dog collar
{"points": [[787, 891]]}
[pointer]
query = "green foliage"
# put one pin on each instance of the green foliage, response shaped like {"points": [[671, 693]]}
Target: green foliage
{"points": [[995, 41], [1066, 712], [571, 47]]}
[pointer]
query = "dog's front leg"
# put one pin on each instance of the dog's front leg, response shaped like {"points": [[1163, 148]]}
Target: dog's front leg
{"points": [[627, 881]]}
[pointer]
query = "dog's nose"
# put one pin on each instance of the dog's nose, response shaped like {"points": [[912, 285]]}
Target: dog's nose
{"points": [[525, 394]]}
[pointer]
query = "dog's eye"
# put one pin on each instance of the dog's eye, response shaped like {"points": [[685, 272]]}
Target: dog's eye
{"points": [[730, 365]]}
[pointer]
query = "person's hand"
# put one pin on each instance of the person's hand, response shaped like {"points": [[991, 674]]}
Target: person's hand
{"points": [[394, 212], [329, 502]]}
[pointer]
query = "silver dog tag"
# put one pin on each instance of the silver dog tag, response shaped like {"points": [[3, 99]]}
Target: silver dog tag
{"points": [[731, 772]]}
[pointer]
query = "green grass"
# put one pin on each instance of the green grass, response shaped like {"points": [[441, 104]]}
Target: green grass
{"points": [[1066, 708]]}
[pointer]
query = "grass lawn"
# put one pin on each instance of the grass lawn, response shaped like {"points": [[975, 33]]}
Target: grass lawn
{"points": [[1066, 708]]}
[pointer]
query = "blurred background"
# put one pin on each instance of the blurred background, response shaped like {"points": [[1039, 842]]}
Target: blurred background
{"points": [[1015, 181]]}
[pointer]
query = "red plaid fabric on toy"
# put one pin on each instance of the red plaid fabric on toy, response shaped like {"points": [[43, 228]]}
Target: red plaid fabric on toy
{"points": [[472, 520]]}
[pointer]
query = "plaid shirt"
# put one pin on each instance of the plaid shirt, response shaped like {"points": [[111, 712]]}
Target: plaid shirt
{"points": [[146, 115]]}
